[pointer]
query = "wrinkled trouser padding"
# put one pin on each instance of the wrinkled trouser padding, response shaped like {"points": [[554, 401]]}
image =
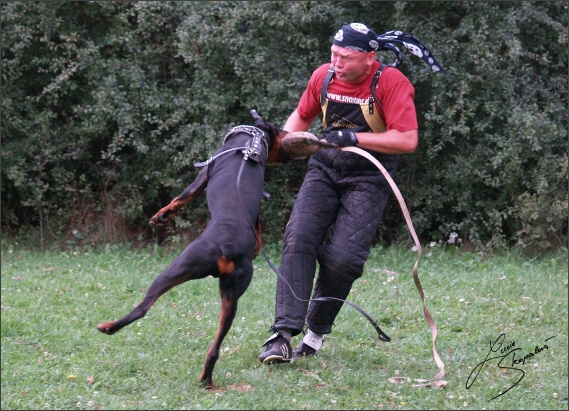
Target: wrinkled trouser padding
{"points": [[319, 205]]}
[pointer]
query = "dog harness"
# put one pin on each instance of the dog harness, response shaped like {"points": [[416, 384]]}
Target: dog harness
{"points": [[251, 148]]}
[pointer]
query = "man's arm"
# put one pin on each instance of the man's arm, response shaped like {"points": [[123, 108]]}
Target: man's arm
{"points": [[296, 123], [389, 142]]}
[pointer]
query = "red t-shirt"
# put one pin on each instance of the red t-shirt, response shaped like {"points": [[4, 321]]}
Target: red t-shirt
{"points": [[394, 91]]}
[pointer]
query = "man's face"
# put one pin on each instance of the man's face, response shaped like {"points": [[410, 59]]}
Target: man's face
{"points": [[350, 65]]}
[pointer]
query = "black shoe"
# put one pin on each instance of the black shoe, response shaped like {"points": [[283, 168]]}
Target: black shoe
{"points": [[278, 350], [303, 350]]}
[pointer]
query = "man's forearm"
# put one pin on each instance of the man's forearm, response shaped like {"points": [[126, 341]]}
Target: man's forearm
{"points": [[389, 142], [296, 123]]}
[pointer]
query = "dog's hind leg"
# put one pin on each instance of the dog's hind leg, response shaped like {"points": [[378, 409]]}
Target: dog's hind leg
{"points": [[226, 316], [187, 266], [231, 287], [158, 287]]}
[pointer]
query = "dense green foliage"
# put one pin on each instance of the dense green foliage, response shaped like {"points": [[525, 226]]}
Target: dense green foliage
{"points": [[107, 105]]}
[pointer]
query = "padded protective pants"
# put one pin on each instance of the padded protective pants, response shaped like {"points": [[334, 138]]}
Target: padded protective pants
{"points": [[353, 203]]}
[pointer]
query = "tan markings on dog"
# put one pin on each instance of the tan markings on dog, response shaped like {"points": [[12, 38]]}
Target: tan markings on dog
{"points": [[225, 265], [175, 204], [105, 327], [258, 240]]}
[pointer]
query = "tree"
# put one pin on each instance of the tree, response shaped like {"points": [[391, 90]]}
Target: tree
{"points": [[106, 106]]}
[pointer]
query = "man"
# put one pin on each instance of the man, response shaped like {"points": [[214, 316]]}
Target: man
{"points": [[341, 189]]}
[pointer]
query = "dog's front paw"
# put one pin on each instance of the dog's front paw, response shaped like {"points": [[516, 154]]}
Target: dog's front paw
{"points": [[165, 214], [158, 220]]}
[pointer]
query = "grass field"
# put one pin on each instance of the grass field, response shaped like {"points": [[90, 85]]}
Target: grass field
{"points": [[54, 358]]}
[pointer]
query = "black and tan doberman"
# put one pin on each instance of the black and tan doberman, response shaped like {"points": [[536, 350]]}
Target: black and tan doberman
{"points": [[234, 178]]}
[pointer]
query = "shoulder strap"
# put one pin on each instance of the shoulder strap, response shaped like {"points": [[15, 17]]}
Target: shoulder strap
{"points": [[373, 86], [327, 80]]}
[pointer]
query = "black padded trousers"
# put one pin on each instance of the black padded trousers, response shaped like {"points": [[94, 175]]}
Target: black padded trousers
{"points": [[354, 206]]}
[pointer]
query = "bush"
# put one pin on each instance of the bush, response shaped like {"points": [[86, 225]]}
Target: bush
{"points": [[107, 105]]}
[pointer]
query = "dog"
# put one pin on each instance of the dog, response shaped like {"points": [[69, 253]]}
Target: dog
{"points": [[234, 178]]}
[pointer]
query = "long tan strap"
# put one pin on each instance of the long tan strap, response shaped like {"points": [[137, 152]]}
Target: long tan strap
{"points": [[436, 381]]}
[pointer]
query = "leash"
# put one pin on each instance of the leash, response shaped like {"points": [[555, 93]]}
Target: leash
{"points": [[251, 151], [209, 160], [246, 156], [382, 335], [437, 381]]}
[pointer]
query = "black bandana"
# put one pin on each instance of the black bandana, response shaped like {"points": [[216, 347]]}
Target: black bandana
{"points": [[356, 36], [413, 44]]}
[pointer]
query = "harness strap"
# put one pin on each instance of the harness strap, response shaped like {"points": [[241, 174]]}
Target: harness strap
{"points": [[327, 81], [436, 381], [209, 160], [255, 132], [249, 151], [372, 88]]}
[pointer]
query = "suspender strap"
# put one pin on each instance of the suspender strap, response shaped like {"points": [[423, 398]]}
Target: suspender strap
{"points": [[327, 80], [373, 86]]}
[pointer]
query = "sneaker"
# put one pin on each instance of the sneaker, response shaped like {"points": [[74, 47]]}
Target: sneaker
{"points": [[303, 350], [278, 350]]}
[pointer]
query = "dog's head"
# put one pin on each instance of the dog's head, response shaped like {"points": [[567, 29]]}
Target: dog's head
{"points": [[270, 131]]}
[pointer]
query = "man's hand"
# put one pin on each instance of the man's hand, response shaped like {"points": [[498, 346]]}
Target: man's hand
{"points": [[343, 138]]}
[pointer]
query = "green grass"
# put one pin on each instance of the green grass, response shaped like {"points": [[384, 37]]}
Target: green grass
{"points": [[54, 358]]}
